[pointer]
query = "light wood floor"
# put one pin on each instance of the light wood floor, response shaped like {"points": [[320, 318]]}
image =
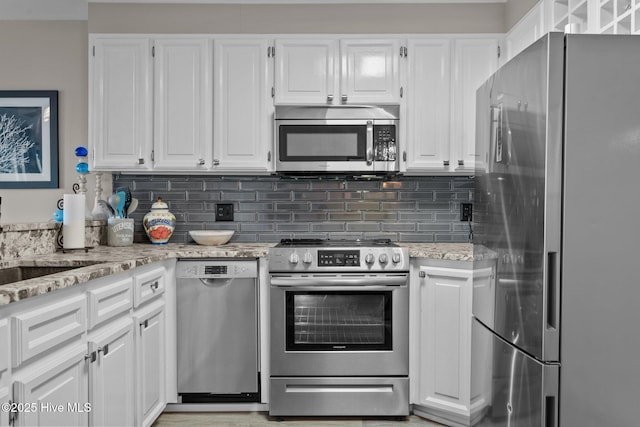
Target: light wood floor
{"points": [[262, 419]]}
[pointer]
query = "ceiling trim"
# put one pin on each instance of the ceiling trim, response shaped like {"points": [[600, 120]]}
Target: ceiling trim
{"points": [[299, 1]]}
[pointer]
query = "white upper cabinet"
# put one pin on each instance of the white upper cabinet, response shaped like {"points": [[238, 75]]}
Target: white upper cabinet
{"points": [[333, 72], [306, 71], [428, 106], [154, 106], [243, 109], [443, 76], [529, 29], [474, 62], [370, 71], [182, 104], [120, 103]]}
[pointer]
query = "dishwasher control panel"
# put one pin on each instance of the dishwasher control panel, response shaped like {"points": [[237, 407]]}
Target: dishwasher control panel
{"points": [[216, 269]]}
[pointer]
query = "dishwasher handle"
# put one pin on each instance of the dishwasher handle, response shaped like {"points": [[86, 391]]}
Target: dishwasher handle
{"points": [[216, 283]]}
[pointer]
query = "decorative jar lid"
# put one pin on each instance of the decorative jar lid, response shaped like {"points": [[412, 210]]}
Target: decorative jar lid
{"points": [[159, 205]]}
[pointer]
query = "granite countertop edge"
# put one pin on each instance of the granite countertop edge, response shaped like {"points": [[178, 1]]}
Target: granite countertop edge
{"points": [[103, 261]]}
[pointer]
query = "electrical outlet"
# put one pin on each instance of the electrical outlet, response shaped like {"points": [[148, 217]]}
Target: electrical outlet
{"points": [[224, 212], [466, 212]]}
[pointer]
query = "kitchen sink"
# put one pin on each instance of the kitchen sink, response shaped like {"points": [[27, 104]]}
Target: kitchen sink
{"points": [[25, 272]]}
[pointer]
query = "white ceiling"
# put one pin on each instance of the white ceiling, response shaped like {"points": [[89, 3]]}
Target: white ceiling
{"points": [[78, 9]]}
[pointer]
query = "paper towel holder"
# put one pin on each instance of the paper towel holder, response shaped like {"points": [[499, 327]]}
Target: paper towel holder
{"points": [[60, 237]]}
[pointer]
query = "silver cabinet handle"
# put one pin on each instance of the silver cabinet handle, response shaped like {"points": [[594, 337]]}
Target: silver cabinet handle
{"points": [[404, 156], [329, 99], [344, 98], [104, 349], [269, 156], [141, 161], [216, 162], [369, 142], [445, 162], [200, 162], [460, 162], [155, 285]]}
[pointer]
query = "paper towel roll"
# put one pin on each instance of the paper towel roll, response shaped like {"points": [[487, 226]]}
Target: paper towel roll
{"points": [[73, 223]]}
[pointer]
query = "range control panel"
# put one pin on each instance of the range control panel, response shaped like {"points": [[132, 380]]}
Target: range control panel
{"points": [[352, 259], [338, 258]]}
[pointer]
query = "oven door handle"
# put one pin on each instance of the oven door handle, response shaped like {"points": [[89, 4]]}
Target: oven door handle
{"points": [[370, 283]]}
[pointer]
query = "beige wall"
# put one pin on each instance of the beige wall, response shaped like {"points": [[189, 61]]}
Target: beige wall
{"points": [[515, 10], [281, 19], [47, 55]]}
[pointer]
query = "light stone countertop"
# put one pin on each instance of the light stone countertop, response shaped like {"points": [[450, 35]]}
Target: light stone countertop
{"points": [[105, 260]]}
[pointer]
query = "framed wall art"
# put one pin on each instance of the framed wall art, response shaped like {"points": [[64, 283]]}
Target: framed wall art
{"points": [[28, 139]]}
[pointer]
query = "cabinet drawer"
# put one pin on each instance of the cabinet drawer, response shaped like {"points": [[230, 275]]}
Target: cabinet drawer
{"points": [[109, 300], [41, 329], [148, 285]]}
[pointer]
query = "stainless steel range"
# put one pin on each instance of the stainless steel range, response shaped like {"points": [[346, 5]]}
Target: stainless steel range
{"points": [[339, 328]]}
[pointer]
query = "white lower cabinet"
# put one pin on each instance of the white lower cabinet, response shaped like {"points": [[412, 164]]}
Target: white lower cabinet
{"points": [[111, 375], [150, 362], [84, 356], [53, 391], [5, 395], [441, 336]]}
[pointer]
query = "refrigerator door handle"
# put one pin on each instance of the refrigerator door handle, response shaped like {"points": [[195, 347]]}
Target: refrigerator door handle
{"points": [[551, 383], [553, 291], [551, 343]]}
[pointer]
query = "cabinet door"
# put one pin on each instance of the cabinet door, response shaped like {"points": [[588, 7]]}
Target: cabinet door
{"points": [[111, 376], [5, 395], [150, 362], [120, 103], [474, 62], [243, 110], [182, 104], [55, 389], [370, 71], [428, 106], [306, 71], [445, 341]]}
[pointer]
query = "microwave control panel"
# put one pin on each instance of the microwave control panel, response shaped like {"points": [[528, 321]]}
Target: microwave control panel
{"points": [[384, 143]]}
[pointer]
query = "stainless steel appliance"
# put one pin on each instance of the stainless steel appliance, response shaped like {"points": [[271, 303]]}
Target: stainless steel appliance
{"points": [[339, 328], [217, 331], [556, 335], [337, 139]]}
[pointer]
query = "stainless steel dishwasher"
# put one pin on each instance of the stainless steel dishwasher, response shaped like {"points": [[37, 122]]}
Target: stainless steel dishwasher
{"points": [[217, 318]]}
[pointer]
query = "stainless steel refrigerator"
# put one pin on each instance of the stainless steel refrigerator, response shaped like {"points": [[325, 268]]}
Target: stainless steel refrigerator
{"points": [[556, 332]]}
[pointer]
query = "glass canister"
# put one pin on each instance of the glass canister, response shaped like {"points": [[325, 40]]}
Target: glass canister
{"points": [[159, 223]]}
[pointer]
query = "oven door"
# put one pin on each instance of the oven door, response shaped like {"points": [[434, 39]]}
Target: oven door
{"points": [[324, 325], [324, 145]]}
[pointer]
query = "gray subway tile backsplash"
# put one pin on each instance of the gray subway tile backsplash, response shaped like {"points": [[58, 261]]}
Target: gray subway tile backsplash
{"points": [[269, 208]]}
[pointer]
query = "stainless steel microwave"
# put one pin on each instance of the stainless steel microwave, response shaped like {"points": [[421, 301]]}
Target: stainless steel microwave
{"points": [[337, 139]]}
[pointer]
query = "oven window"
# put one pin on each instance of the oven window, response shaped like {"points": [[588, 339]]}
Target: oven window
{"points": [[338, 321], [322, 142]]}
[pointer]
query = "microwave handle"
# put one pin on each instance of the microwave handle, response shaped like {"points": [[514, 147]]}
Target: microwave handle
{"points": [[369, 142]]}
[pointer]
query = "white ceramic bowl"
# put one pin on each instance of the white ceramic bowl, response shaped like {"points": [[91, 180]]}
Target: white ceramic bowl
{"points": [[211, 237]]}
